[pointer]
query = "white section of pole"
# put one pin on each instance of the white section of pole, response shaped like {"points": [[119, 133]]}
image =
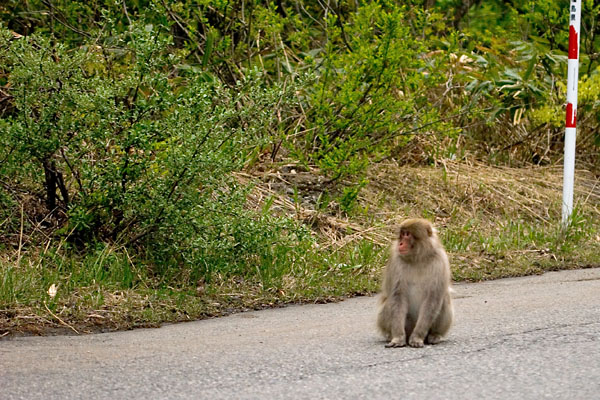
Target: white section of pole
{"points": [[568, 174], [571, 121]]}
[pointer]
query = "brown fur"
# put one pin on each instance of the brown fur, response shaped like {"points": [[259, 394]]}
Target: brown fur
{"points": [[416, 306]]}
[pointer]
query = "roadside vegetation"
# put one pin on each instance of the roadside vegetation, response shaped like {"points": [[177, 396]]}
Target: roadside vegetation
{"points": [[169, 161]]}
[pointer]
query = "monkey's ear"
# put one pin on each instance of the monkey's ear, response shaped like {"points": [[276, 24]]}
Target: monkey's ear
{"points": [[429, 231]]}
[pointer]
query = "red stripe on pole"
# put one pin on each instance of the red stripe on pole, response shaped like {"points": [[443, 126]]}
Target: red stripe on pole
{"points": [[573, 43], [571, 116]]}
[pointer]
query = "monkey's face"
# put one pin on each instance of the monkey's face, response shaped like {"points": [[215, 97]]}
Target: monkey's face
{"points": [[405, 242], [415, 239]]}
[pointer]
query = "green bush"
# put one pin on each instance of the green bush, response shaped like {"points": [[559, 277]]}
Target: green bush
{"points": [[126, 148], [369, 91]]}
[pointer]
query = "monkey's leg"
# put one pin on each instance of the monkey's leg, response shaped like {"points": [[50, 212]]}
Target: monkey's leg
{"points": [[427, 314], [398, 312], [442, 323], [384, 320]]}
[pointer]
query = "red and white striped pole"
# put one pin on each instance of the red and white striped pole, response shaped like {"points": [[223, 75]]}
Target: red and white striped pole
{"points": [[571, 131]]}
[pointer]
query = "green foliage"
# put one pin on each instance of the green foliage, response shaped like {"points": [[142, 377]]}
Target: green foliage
{"points": [[130, 150], [384, 71], [349, 196], [369, 87], [105, 97]]}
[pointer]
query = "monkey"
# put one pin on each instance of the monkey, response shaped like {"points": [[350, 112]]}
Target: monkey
{"points": [[415, 304]]}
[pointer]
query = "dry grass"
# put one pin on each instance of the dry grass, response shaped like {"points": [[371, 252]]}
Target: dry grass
{"points": [[334, 231], [445, 193], [470, 190]]}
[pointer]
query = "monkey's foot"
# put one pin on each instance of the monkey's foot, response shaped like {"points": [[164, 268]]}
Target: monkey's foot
{"points": [[434, 339], [415, 342], [396, 342]]}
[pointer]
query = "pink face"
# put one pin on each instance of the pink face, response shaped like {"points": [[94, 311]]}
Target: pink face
{"points": [[405, 242]]}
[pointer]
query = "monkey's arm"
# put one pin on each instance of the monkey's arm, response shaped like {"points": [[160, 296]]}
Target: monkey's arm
{"points": [[390, 275]]}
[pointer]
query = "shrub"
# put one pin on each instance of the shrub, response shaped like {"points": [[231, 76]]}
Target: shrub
{"points": [[125, 147]]}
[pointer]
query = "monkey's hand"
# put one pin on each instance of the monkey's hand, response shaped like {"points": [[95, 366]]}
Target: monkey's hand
{"points": [[415, 341], [396, 342]]}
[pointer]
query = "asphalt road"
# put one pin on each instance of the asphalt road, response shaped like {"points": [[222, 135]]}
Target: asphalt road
{"points": [[524, 338]]}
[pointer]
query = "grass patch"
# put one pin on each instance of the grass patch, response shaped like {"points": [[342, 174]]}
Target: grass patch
{"points": [[494, 222], [108, 292]]}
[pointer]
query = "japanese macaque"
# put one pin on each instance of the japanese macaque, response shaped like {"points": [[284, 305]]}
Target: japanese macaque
{"points": [[415, 303]]}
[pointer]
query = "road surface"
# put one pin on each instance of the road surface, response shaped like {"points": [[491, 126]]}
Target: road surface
{"points": [[524, 338]]}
